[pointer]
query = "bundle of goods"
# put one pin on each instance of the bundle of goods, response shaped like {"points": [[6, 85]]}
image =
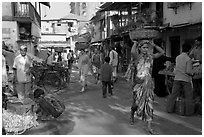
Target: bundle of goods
{"points": [[14, 123], [19, 116], [143, 33]]}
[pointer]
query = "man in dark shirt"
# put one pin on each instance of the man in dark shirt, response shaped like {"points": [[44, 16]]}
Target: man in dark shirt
{"points": [[106, 77]]}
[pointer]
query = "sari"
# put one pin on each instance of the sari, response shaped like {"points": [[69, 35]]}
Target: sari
{"points": [[143, 88]]}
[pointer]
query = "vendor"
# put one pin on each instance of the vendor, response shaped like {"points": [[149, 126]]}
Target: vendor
{"points": [[22, 76]]}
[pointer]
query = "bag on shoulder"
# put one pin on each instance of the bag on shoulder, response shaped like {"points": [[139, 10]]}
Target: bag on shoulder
{"points": [[51, 105]]}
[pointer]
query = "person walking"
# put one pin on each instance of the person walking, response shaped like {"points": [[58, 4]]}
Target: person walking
{"points": [[96, 62], [106, 77], [114, 62], [83, 64], [143, 86], [182, 81], [22, 76]]}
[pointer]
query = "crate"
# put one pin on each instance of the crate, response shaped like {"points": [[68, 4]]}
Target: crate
{"points": [[143, 34]]}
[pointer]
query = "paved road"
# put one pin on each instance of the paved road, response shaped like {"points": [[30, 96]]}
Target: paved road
{"points": [[89, 114]]}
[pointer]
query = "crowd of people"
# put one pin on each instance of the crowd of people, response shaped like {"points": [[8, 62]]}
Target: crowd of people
{"points": [[142, 74]]}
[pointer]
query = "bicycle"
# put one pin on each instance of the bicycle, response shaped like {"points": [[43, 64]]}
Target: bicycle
{"points": [[51, 78]]}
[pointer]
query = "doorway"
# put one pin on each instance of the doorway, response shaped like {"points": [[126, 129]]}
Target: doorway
{"points": [[175, 46]]}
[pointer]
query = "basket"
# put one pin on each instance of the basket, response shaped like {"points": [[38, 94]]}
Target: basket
{"points": [[143, 34]]}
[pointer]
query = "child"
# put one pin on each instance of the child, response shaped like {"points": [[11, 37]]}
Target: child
{"points": [[106, 77]]}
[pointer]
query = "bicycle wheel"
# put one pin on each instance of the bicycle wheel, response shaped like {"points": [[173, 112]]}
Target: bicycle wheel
{"points": [[52, 82]]}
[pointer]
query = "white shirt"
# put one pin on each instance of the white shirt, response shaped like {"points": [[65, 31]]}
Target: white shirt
{"points": [[22, 65], [113, 58], [4, 73]]}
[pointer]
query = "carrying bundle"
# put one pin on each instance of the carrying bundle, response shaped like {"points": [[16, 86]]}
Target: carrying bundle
{"points": [[143, 33]]}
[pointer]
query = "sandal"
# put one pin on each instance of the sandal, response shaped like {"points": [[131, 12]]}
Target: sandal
{"points": [[152, 132], [131, 123]]}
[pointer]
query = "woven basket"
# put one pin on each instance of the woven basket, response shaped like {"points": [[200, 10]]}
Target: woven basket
{"points": [[143, 34]]}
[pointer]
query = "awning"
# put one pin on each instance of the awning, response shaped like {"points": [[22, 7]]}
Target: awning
{"points": [[120, 6], [46, 3], [54, 44], [86, 37], [81, 45]]}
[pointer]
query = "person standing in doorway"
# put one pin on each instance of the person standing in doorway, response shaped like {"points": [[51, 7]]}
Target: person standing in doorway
{"points": [[196, 55], [114, 62], [22, 76]]}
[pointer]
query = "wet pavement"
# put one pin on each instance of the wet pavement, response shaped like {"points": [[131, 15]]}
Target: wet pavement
{"points": [[89, 114]]}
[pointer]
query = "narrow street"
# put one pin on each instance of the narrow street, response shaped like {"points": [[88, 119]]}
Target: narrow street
{"points": [[89, 114]]}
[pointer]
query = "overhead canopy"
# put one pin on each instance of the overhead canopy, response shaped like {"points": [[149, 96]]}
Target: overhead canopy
{"points": [[119, 6], [54, 44], [46, 4], [81, 45]]}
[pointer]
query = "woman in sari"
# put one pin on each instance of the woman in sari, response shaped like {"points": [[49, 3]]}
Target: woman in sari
{"points": [[84, 65], [142, 83]]}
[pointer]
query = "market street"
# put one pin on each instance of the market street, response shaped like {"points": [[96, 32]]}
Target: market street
{"points": [[89, 114]]}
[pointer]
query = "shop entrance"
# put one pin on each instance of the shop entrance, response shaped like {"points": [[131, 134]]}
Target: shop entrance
{"points": [[175, 46]]}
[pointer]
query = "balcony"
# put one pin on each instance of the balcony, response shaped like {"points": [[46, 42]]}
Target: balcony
{"points": [[25, 12], [126, 23]]}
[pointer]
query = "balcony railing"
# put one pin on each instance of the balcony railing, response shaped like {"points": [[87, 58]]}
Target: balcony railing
{"points": [[25, 10], [124, 23]]}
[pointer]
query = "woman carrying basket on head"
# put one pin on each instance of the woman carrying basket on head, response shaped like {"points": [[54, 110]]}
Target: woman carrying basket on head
{"points": [[142, 83]]}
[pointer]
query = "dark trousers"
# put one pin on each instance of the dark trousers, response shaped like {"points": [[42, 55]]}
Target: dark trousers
{"points": [[197, 88], [178, 87], [105, 85]]}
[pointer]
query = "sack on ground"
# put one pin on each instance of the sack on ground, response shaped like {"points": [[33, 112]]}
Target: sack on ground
{"points": [[51, 105], [180, 106], [184, 107]]}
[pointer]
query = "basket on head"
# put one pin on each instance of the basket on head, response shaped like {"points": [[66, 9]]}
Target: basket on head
{"points": [[142, 33]]}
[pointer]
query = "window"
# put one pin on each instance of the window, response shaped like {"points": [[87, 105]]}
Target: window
{"points": [[58, 24], [47, 29], [84, 5], [70, 24]]}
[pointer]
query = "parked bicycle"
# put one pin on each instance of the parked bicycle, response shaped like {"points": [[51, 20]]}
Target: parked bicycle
{"points": [[51, 78]]}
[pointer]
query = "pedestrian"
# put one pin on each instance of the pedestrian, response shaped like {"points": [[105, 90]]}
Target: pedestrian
{"points": [[182, 81], [84, 65], [69, 57], [196, 55], [106, 77], [114, 62], [50, 58], [96, 62], [143, 86], [22, 76], [59, 59], [4, 83]]}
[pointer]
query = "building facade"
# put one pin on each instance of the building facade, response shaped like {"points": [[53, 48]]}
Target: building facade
{"points": [[21, 24], [184, 21], [177, 22], [62, 30], [85, 9]]}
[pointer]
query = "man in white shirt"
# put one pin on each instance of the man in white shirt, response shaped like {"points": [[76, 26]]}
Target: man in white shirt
{"points": [[114, 62], [22, 76]]}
